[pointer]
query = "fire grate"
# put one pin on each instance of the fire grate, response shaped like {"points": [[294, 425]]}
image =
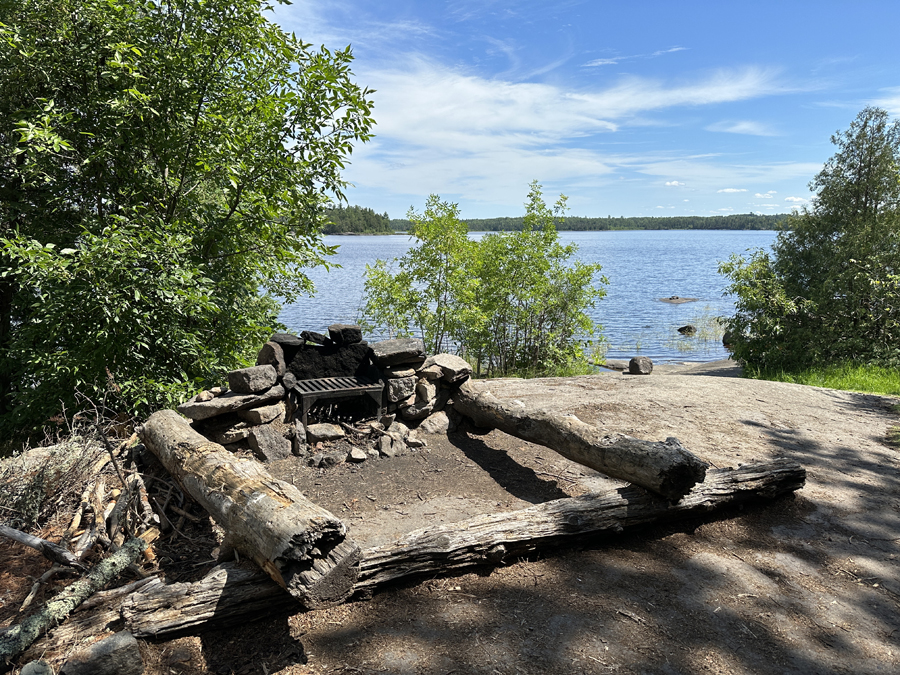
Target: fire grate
{"points": [[310, 391]]}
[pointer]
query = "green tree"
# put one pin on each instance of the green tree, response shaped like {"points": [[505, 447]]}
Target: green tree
{"points": [[431, 292], [830, 289], [511, 302], [164, 166]]}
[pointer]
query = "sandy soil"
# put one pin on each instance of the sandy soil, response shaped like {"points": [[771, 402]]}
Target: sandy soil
{"points": [[806, 584]]}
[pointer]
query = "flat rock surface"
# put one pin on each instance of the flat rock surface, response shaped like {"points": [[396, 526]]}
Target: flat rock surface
{"points": [[805, 584]]}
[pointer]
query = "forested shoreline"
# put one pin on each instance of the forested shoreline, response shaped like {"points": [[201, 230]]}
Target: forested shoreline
{"points": [[744, 221]]}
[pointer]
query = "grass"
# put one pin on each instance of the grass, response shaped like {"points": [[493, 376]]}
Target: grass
{"points": [[847, 377]]}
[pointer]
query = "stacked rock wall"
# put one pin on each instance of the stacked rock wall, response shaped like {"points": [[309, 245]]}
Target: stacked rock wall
{"points": [[259, 409]]}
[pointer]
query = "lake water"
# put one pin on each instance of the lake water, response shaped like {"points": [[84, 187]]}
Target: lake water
{"points": [[642, 266]]}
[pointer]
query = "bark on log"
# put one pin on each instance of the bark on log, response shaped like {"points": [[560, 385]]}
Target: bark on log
{"points": [[229, 595], [666, 468], [301, 546], [13, 642]]}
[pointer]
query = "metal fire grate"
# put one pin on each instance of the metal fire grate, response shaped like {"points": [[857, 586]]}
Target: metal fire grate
{"points": [[310, 391]]}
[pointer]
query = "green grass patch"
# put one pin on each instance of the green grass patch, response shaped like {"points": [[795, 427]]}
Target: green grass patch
{"points": [[871, 379]]}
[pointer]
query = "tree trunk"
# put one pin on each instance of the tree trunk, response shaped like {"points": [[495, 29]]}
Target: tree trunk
{"points": [[301, 546], [666, 468], [230, 595]]}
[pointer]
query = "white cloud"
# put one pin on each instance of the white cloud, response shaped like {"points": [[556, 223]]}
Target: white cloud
{"points": [[797, 200], [742, 127], [660, 207], [763, 196], [890, 101], [612, 61], [687, 200], [674, 183], [732, 190]]}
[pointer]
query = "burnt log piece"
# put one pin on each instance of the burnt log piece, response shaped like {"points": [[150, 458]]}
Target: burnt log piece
{"points": [[665, 468], [301, 546], [230, 595]]}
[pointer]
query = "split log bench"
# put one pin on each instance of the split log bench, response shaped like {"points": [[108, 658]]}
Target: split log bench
{"points": [[310, 391]]}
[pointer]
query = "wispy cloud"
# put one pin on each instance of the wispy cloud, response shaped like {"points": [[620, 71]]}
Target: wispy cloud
{"points": [[890, 100], [732, 190], [674, 183], [796, 200], [747, 127], [614, 60]]}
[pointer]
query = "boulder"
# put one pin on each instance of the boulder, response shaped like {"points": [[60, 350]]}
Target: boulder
{"points": [[298, 439], [272, 354], [640, 365], [231, 401], [438, 423], [400, 388], [432, 372], [252, 380], [687, 330], [315, 338], [418, 410], [345, 334], [320, 433], [228, 435], [386, 447], [268, 444], [455, 368], [286, 340], [426, 390], [392, 372], [395, 352], [262, 415], [118, 654], [36, 668]]}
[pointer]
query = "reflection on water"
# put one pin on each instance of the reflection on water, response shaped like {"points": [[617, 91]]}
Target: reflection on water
{"points": [[642, 267]]}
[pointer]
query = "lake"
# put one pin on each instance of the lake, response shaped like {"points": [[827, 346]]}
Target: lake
{"points": [[642, 266]]}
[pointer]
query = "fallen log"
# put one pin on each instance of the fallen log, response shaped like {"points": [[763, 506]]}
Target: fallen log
{"points": [[53, 552], [666, 468], [16, 640], [301, 546], [230, 595]]}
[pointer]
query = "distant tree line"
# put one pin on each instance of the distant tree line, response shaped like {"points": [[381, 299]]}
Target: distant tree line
{"points": [[742, 221], [356, 219]]}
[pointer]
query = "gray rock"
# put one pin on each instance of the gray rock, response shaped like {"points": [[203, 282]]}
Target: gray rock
{"points": [[415, 442], [118, 654], [262, 415], [386, 447], [387, 420], [400, 388], [316, 459], [286, 340], [640, 365], [395, 352], [334, 457], [454, 368], [398, 428], [204, 396], [405, 403], [229, 435], [272, 354], [318, 433], [289, 380], [418, 410], [436, 423], [398, 371], [228, 402], [688, 330], [268, 444], [344, 334], [432, 372], [426, 390], [441, 399], [252, 380], [357, 455], [36, 668]]}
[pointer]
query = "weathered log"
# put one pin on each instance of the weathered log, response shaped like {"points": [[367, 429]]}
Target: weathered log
{"points": [[301, 546], [666, 468], [230, 595], [16, 640]]}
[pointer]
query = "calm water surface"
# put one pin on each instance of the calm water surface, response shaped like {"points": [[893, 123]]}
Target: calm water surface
{"points": [[642, 266]]}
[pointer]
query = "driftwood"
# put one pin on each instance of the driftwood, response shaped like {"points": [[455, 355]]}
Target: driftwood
{"points": [[16, 640], [230, 595], [665, 468], [301, 546]]}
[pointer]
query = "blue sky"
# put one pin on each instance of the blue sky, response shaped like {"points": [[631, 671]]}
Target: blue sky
{"points": [[629, 108]]}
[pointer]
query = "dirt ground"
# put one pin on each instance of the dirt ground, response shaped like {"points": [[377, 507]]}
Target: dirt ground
{"points": [[805, 584]]}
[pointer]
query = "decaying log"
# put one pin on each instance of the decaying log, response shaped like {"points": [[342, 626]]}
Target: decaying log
{"points": [[229, 595], [16, 640], [665, 468], [303, 547], [491, 538]]}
